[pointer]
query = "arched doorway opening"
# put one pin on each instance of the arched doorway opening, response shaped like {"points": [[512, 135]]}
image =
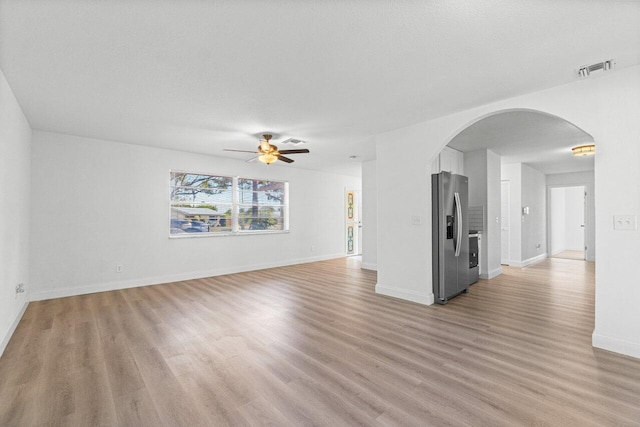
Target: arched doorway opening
{"points": [[513, 158]]}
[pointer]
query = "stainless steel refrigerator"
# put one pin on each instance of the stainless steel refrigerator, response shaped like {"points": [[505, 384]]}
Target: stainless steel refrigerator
{"points": [[450, 201]]}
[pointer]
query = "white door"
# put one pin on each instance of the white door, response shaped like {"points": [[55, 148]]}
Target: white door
{"points": [[505, 233], [359, 203], [566, 222], [584, 222], [574, 221]]}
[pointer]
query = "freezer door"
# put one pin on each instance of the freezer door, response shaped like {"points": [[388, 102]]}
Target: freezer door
{"points": [[445, 229], [462, 188]]}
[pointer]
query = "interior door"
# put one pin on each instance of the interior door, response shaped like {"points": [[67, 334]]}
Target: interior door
{"points": [[584, 222], [505, 228], [359, 216]]}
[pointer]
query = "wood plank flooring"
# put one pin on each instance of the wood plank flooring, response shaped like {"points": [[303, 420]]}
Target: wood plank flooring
{"points": [[570, 255], [314, 345]]}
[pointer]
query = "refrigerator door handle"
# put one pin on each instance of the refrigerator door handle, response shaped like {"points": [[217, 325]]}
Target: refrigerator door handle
{"points": [[458, 222]]}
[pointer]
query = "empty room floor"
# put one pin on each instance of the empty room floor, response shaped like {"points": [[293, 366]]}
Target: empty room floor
{"points": [[313, 344], [570, 255]]}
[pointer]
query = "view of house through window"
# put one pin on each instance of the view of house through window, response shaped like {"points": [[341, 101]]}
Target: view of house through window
{"points": [[226, 205]]}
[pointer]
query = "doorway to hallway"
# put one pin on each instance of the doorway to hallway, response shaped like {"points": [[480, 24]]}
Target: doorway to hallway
{"points": [[567, 222]]}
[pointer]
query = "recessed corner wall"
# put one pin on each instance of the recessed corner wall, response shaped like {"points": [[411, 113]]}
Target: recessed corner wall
{"points": [[15, 168], [104, 203]]}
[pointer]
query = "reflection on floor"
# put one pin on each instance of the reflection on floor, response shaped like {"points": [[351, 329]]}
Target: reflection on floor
{"points": [[570, 255]]}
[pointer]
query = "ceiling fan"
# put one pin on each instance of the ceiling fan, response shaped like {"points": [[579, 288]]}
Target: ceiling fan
{"points": [[268, 153]]}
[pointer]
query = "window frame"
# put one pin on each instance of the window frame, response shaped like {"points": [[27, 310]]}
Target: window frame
{"points": [[235, 208]]}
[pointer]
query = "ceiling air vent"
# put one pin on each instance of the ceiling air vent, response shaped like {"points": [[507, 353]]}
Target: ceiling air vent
{"points": [[588, 69], [293, 141]]}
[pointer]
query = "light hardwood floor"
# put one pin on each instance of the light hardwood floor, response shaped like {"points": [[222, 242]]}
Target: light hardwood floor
{"points": [[314, 345], [570, 255]]}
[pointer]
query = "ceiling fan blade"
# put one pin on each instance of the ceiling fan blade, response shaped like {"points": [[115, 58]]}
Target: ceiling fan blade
{"points": [[285, 159], [252, 159], [299, 151], [241, 151]]}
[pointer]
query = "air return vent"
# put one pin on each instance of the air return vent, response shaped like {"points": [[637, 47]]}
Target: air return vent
{"points": [[588, 69], [293, 141]]}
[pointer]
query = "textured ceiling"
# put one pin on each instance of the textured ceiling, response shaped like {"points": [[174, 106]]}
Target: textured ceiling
{"points": [[201, 76], [544, 142]]}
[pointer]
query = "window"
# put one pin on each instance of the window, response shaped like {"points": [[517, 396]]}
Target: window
{"points": [[209, 204], [261, 204]]}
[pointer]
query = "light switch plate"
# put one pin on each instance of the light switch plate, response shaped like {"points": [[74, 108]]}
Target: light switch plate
{"points": [[416, 220], [625, 222]]}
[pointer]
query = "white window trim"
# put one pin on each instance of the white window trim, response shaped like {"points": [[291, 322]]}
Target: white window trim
{"points": [[235, 210]]}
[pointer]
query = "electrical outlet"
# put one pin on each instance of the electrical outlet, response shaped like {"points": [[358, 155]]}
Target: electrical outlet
{"points": [[416, 220], [625, 222], [119, 268], [313, 248], [19, 289]]}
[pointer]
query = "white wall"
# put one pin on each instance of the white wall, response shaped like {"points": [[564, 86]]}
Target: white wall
{"points": [[557, 220], [104, 203], [513, 174], [574, 220], [607, 107], [494, 237], [15, 169], [616, 177], [586, 179], [483, 169], [369, 215], [534, 225], [528, 232]]}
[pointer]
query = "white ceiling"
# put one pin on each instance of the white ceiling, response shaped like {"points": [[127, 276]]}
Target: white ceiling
{"points": [[544, 142], [206, 75]]}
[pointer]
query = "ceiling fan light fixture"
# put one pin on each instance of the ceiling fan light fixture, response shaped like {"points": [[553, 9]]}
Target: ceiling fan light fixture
{"points": [[584, 150], [268, 158], [265, 146], [268, 153], [265, 143]]}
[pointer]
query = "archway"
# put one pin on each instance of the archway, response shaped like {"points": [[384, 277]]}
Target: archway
{"points": [[607, 109], [518, 150]]}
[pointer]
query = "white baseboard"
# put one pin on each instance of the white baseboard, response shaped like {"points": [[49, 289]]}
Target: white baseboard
{"points": [[528, 261], [39, 295], [369, 266], [557, 251], [616, 345], [12, 326], [491, 274], [413, 296]]}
